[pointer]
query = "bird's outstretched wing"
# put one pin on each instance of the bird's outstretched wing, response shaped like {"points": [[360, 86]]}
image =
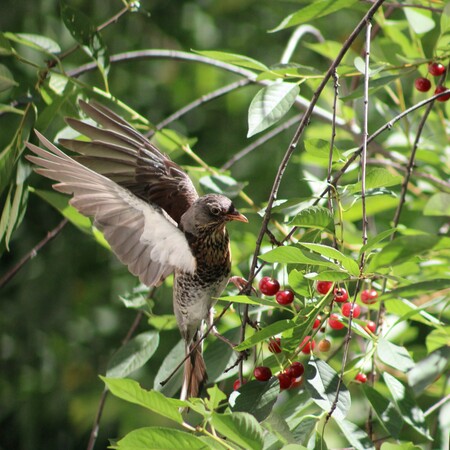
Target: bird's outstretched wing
{"points": [[143, 237], [122, 154]]}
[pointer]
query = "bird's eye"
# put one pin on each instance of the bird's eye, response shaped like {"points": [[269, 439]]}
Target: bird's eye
{"points": [[215, 211]]}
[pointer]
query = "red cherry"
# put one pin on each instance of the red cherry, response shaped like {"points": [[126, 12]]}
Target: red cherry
{"points": [[370, 326], [422, 84], [443, 98], [347, 307], [285, 380], [317, 322], [285, 297], [309, 345], [340, 295], [296, 369], [361, 377], [369, 296], [262, 373], [269, 286], [324, 345], [237, 384], [323, 287], [275, 345], [335, 323], [436, 69]]}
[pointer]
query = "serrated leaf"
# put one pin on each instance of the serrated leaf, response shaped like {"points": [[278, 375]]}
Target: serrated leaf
{"points": [[438, 205], [215, 397], [133, 355], [347, 263], [256, 398], [221, 184], [239, 427], [373, 241], [355, 435], [426, 371], [290, 254], [389, 417], [403, 397], [269, 105], [394, 355], [265, 333], [402, 249], [322, 383], [158, 438], [130, 391], [318, 8], [297, 282], [235, 59], [314, 217]]}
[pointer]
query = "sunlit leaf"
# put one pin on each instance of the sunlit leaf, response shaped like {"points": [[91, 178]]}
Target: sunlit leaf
{"points": [[438, 205], [420, 20], [153, 438], [322, 383], [35, 41], [394, 355], [438, 338], [235, 59], [376, 178], [269, 105], [221, 184], [355, 435], [314, 217]]}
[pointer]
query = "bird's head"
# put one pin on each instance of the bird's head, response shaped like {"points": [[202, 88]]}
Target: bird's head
{"points": [[210, 211]]}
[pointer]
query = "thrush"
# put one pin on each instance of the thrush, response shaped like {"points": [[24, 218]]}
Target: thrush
{"points": [[152, 217]]}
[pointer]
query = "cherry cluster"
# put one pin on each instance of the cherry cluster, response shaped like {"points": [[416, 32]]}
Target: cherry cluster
{"points": [[423, 84]]}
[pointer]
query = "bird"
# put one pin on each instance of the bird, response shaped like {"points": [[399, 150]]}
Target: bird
{"points": [[152, 216]]}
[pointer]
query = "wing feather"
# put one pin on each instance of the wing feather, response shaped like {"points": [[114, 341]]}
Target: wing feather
{"points": [[141, 235]]}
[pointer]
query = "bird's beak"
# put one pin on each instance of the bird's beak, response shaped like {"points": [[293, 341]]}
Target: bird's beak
{"points": [[236, 215]]}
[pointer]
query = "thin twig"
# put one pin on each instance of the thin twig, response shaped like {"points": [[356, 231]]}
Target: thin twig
{"points": [[32, 253], [295, 39], [96, 426], [348, 336]]}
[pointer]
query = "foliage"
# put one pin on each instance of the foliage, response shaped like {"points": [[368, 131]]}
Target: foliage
{"points": [[353, 190]]}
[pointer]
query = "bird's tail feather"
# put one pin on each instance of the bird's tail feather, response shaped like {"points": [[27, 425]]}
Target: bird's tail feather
{"points": [[194, 372]]}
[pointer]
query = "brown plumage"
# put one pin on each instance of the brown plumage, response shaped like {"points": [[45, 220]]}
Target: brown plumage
{"points": [[151, 215]]}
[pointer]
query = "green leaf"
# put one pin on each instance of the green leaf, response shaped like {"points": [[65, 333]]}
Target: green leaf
{"points": [[158, 438], [133, 355], [375, 85], [394, 355], [348, 263], [171, 361], [425, 372], [406, 310], [265, 333], [372, 242], [314, 217], [438, 205], [269, 105], [239, 427], [420, 20], [402, 446], [318, 8], [327, 275], [221, 184], [389, 417], [233, 58], [415, 289], [297, 282], [130, 391], [256, 398], [403, 397], [376, 178], [6, 79], [249, 300], [290, 254], [35, 41], [5, 46], [322, 383], [215, 397], [402, 249], [438, 338], [355, 435], [321, 149], [445, 19]]}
